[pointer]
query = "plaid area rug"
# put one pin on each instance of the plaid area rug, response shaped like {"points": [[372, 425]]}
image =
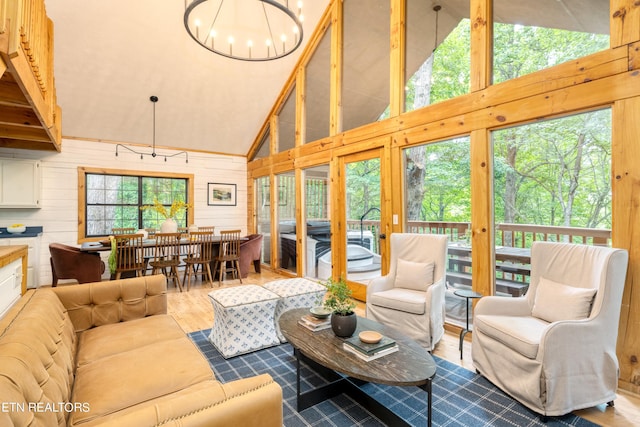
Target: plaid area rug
{"points": [[460, 397]]}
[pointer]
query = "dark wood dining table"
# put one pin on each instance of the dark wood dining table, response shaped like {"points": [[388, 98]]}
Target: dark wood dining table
{"points": [[148, 246], [105, 245]]}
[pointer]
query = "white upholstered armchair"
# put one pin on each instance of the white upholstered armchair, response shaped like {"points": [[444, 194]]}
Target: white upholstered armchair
{"points": [[554, 349], [411, 297]]}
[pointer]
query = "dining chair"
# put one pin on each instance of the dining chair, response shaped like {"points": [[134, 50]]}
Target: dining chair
{"points": [[166, 256], [129, 254], [199, 252], [229, 252], [69, 262], [123, 230], [205, 228]]}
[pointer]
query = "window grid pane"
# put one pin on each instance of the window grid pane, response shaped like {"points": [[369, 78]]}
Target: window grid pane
{"points": [[114, 201]]}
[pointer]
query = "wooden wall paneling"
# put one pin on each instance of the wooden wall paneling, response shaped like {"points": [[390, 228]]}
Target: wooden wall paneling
{"points": [[387, 181], [300, 123], [482, 257], [593, 67], [634, 56], [397, 57], [362, 146], [590, 95], [625, 233], [282, 167], [335, 97], [273, 136], [338, 227], [273, 190], [301, 232], [315, 159], [251, 206], [318, 146], [481, 44], [397, 188], [258, 172], [624, 22]]}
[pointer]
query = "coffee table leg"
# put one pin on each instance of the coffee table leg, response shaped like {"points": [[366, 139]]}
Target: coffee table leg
{"points": [[297, 354], [429, 402]]}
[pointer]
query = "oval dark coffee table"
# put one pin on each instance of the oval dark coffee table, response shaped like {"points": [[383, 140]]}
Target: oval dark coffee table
{"points": [[323, 351]]}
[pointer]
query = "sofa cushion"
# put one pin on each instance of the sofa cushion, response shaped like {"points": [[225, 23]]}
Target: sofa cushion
{"points": [[138, 375], [414, 275], [401, 299], [521, 334], [556, 301], [117, 338], [253, 401]]}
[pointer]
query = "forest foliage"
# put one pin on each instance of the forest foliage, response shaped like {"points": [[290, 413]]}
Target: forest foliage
{"points": [[552, 172]]}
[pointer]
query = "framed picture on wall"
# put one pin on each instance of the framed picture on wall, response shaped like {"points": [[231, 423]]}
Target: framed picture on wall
{"points": [[219, 194]]}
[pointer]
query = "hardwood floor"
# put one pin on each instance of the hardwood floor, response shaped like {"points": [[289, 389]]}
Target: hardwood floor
{"points": [[193, 312]]}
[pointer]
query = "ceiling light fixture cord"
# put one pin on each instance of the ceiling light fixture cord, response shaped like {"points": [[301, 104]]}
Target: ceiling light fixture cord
{"points": [[436, 9], [153, 153]]}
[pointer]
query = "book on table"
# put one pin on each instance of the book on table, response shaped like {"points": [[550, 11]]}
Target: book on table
{"points": [[369, 349], [313, 323], [373, 356]]}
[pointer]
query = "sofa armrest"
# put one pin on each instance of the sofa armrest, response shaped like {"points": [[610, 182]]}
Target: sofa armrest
{"points": [[101, 303]]}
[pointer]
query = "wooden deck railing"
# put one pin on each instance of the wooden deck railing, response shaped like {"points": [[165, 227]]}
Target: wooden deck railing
{"points": [[512, 235], [511, 277]]}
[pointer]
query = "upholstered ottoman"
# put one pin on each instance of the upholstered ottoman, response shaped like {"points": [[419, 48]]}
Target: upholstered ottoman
{"points": [[243, 319], [294, 293]]}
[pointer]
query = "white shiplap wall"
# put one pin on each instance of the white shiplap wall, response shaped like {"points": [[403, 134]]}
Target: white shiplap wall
{"points": [[59, 198]]}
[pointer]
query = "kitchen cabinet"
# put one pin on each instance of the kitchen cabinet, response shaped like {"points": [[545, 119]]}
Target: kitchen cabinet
{"points": [[12, 267], [20, 183]]}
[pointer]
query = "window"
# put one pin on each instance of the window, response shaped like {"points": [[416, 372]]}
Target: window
{"points": [[436, 68], [526, 40], [365, 68], [437, 194], [552, 181], [262, 187], [113, 200]]}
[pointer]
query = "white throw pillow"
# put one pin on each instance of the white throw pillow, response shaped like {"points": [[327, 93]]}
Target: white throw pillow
{"points": [[414, 275], [555, 301]]}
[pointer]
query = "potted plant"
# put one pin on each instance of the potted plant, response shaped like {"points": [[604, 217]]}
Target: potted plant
{"points": [[338, 300], [169, 225]]}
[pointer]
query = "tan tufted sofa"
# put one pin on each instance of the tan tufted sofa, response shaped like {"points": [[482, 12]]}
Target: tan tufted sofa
{"points": [[107, 354]]}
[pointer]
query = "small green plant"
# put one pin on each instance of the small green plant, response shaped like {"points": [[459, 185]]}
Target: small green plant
{"points": [[338, 298]]}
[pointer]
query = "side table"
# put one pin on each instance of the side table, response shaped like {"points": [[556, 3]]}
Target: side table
{"points": [[468, 295]]}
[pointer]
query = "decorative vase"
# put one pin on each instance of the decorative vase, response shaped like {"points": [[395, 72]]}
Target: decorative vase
{"points": [[169, 226], [344, 325], [192, 228]]}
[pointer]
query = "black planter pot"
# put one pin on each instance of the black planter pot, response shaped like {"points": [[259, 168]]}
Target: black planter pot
{"points": [[344, 326]]}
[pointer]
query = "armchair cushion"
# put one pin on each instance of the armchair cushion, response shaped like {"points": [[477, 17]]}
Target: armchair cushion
{"points": [[519, 333], [417, 276], [407, 300], [556, 301]]}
